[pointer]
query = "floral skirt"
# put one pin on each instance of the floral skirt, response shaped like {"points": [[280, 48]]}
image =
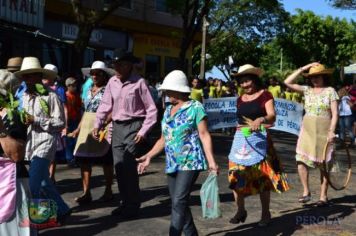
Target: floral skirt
{"points": [[266, 175]]}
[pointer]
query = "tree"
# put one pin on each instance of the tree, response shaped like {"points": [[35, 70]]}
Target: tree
{"points": [[240, 28], [192, 13], [343, 4], [314, 38], [87, 19]]}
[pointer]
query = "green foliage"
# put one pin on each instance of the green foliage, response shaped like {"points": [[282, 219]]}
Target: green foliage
{"points": [[313, 38], [343, 4], [240, 28]]}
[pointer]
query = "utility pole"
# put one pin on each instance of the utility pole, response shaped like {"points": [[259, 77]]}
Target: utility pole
{"points": [[202, 55], [281, 63]]}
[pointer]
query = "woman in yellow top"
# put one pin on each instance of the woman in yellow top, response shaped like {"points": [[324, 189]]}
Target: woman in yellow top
{"points": [[274, 88], [212, 88], [197, 91]]}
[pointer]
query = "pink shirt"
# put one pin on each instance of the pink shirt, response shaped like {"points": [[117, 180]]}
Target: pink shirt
{"points": [[129, 100]]}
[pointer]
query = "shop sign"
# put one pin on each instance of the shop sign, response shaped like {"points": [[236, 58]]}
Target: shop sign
{"points": [[26, 12], [70, 31]]}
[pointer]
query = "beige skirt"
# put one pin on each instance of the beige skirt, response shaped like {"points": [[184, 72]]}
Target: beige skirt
{"points": [[86, 145], [313, 139]]}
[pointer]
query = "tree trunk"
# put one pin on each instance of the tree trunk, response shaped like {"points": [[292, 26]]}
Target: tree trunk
{"points": [[80, 44]]}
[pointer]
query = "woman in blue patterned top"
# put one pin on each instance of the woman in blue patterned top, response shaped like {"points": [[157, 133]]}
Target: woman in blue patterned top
{"points": [[187, 143]]}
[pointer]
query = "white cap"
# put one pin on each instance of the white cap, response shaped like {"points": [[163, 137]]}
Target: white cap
{"points": [[176, 81], [53, 68]]}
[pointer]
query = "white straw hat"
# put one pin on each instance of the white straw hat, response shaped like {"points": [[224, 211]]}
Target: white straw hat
{"points": [[32, 65], [52, 68], [176, 81], [98, 65], [248, 69]]}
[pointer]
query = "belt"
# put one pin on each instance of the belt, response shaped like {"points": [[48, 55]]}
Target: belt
{"points": [[129, 121]]}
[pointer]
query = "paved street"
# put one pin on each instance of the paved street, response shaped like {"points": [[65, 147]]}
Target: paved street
{"points": [[289, 217]]}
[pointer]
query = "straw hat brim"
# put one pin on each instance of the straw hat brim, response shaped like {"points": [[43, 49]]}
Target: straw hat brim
{"points": [[45, 72], [109, 71], [250, 71], [323, 72]]}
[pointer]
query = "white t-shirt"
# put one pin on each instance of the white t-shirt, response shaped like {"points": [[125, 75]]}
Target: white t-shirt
{"points": [[344, 107]]}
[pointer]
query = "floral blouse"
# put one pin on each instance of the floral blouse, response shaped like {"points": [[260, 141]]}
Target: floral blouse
{"points": [[182, 144], [319, 104], [91, 103]]}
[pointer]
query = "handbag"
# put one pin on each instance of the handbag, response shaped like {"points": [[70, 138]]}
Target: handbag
{"points": [[43, 213], [209, 196]]}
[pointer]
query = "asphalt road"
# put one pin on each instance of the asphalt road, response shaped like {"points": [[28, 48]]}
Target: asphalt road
{"points": [[289, 217]]}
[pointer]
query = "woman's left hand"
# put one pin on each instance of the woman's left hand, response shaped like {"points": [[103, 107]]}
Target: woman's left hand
{"points": [[331, 136], [213, 167], [256, 124]]}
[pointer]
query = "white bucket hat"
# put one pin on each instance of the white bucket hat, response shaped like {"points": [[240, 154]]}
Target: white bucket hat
{"points": [[176, 81], [52, 68], [32, 65], [98, 65], [248, 69]]}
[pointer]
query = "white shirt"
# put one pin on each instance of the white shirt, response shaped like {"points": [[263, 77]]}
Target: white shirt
{"points": [[344, 107], [42, 134]]}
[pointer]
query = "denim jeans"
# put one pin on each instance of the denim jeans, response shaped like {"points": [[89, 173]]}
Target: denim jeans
{"points": [[345, 125], [180, 185], [70, 142], [42, 187]]}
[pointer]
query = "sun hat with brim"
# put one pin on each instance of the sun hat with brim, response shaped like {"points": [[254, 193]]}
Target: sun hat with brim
{"points": [[318, 70], [8, 82], [14, 64], [176, 81], [32, 65], [248, 69], [98, 65], [52, 68]]}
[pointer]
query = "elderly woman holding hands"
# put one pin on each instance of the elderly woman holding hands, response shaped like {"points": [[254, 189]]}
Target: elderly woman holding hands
{"points": [[14, 186], [188, 146], [318, 127]]}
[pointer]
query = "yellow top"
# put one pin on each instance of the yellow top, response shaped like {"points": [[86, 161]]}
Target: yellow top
{"points": [[197, 94], [212, 91], [275, 91], [288, 95], [296, 97]]}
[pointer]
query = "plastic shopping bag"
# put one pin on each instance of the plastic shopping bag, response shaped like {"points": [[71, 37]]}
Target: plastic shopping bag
{"points": [[209, 196]]}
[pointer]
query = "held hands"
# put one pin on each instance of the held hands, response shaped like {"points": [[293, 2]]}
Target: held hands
{"points": [[143, 163]]}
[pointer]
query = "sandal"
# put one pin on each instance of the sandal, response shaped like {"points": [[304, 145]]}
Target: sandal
{"points": [[322, 203], [85, 198], [239, 217], [304, 199]]}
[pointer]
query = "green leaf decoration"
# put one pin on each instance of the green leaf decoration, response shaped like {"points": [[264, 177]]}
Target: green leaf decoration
{"points": [[41, 90], [44, 106]]}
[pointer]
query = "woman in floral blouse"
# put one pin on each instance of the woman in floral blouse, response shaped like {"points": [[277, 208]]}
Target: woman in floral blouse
{"points": [[84, 150], [318, 127], [187, 143]]}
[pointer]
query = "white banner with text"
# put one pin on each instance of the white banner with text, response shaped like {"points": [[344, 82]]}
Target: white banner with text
{"points": [[222, 114]]}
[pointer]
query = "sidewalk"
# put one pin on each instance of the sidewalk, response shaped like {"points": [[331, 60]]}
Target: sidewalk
{"points": [[288, 216]]}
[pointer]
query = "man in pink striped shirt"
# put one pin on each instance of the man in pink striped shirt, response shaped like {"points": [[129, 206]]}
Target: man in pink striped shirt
{"points": [[134, 113]]}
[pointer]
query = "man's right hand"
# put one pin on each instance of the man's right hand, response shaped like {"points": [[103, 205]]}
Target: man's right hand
{"points": [[95, 133]]}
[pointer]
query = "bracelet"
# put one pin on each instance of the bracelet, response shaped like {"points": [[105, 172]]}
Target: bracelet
{"points": [[3, 133]]}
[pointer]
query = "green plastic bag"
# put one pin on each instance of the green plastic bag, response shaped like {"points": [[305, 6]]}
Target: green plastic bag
{"points": [[209, 196]]}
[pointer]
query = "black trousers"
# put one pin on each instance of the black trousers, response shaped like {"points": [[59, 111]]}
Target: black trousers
{"points": [[125, 151]]}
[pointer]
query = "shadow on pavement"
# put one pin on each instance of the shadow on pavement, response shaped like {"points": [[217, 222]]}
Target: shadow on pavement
{"points": [[328, 219]]}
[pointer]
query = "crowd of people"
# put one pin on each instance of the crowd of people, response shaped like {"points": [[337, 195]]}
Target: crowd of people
{"points": [[106, 119]]}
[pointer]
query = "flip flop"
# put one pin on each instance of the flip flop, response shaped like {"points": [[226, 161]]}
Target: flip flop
{"points": [[304, 199]]}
